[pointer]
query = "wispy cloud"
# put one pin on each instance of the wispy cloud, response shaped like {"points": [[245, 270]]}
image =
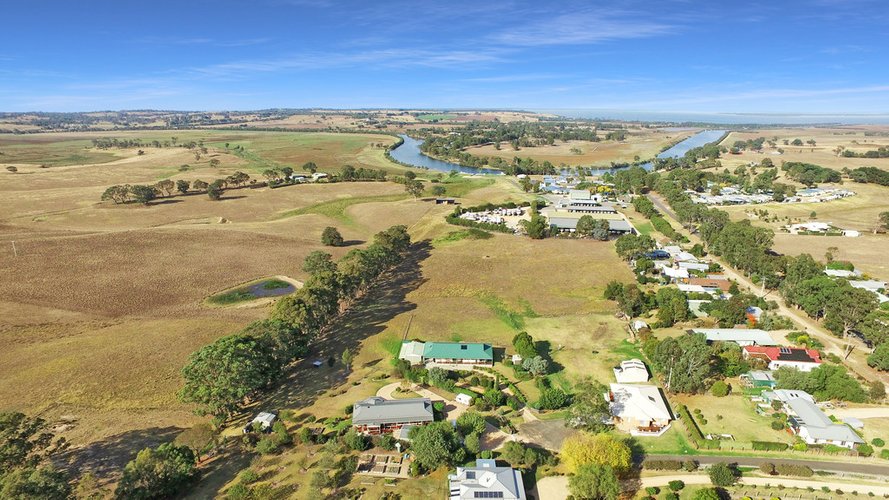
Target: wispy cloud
{"points": [[177, 40], [580, 28], [514, 78]]}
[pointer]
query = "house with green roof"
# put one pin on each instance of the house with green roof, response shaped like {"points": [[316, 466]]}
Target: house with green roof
{"points": [[449, 355]]}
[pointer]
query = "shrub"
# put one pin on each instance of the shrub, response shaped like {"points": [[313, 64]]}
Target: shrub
{"points": [[355, 441], [865, 450], [719, 389], [694, 432], [676, 485], [671, 496], [884, 454], [652, 490], [249, 476], [878, 442], [689, 466], [793, 470], [721, 474], [767, 468], [777, 425]]}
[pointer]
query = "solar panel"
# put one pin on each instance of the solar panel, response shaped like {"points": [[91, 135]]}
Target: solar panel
{"points": [[488, 494]]}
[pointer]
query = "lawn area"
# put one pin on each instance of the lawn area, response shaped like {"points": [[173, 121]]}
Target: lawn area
{"points": [[672, 442], [336, 209], [737, 418]]}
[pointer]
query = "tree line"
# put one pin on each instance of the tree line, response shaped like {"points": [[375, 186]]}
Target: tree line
{"points": [[223, 376], [144, 194]]}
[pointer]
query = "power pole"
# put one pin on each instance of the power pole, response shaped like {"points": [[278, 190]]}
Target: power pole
{"points": [[15, 252]]}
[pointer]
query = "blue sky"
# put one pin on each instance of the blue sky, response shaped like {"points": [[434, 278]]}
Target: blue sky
{"points": [[823, 56]]}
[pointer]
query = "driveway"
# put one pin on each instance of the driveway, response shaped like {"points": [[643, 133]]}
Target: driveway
{"points": [[862, 413]]}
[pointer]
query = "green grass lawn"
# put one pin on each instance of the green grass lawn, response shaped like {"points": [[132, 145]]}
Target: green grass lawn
{"points": [[644, 228]]}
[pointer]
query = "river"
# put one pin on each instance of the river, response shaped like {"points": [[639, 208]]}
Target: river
{"points": [[409, 153]]}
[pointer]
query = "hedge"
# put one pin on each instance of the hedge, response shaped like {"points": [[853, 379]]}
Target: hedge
{"points": [[793, 470], [769, 446], [518, 393], [694, 432], [662, 464]]}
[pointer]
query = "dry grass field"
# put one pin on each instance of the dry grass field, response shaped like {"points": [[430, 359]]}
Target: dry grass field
{"points": [[860, 212], [824, 153], [644, 143]]}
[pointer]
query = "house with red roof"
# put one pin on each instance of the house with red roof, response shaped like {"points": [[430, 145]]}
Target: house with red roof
{"points": [[802, 359]]}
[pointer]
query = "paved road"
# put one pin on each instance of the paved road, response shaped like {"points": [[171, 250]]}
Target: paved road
{"points": [[812, 327], [833, 466]]}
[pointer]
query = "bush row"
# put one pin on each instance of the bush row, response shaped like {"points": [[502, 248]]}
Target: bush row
{"points": [[694, 432]]}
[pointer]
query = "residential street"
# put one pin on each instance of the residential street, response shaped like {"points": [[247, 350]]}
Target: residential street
{"points": [[831, 343]]}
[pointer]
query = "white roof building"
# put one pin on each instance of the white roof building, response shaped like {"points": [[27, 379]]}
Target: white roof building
{"points": [[580, 194], [842, 273], [631, 371], [412, 351], [639, 409], [672, 272], [694, 266], [486, 480], [740, 336], [785, 395]]}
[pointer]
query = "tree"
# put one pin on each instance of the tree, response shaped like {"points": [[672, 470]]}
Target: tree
{"points": [[472, 443], [722, 475], [319, 262], [537, 366], [884, 219], [553, 398], [346, 357], [220, 376], [435, 445], [589, 410], [199, 185], [524, 345], [310, 167], [537, 227], [331, 237], [413, 187], [165, 186], [672, 306], [214, 191], [214, 162], [25, 441], [161, 472], [12, 169], [355, 441], [118, 194], [439, 190], [594, 482], [26, 483], [685, 362], [599, 449], [585, 226], [879, 359], [143, 194], [471, 422], [847, 309], [182, 186]]}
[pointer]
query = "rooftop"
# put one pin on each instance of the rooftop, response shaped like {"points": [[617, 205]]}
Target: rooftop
{"points": [[379, 411], [737, 335], [785, 353], [486, 480], [457, 350], [639, 402], [818, 425]]}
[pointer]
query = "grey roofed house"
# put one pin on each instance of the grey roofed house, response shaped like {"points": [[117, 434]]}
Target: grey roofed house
{"points": [[570, 224], [815, 427], [740, 336], [486, 480], [379, 411]]}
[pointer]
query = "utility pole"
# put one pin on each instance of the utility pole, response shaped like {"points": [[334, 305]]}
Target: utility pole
{"points": [[15, 252]]}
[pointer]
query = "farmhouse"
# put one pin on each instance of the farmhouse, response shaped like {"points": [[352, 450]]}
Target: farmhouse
{"points": [[758, 378], [486, 480], [814, 427], [631, 371], [878, 288], [639, 409], [448, 355], [741, 336], [802, 359], [378, 416]]}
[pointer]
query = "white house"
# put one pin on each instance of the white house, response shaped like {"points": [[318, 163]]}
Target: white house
{"points": [[631, 371], [814, 427], [786, 395], [842, 273], [319, 175], [639, 409], [486, 480]]}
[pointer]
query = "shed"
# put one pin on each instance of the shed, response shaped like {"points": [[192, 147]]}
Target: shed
{"points": [[464, 399], [412, 351]]}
